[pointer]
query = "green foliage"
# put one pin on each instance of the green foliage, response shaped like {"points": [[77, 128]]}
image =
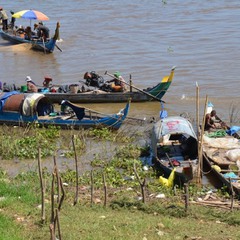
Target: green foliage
{"points": [[103, 133]]}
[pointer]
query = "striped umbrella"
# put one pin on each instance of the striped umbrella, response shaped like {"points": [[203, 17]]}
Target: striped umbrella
{"points": [[31, 14]]}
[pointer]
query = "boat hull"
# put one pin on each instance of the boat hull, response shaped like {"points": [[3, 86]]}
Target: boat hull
{"points": [[22, 109], [174, 146]]}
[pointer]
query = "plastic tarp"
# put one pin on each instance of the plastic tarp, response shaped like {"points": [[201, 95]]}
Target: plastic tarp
{"points": [[29, 104], [223, 143], [4, 97], [233, 130], [173, 125]]}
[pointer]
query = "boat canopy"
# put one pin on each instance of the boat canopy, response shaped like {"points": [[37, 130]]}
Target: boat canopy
{"points": [[173, 125]]}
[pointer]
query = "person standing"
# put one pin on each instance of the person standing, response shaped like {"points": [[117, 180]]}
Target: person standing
{"points": [[4, 17]]}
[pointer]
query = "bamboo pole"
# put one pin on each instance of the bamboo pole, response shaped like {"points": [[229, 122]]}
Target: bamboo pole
{"points": [[200, 155], [197, 108]]}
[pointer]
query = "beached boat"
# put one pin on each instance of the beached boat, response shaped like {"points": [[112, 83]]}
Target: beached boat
{"points": [[22, 109], [221, 157], [74, 94], [174, 146], [47, 46]]}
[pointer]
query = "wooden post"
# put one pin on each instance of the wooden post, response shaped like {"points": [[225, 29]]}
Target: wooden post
{"points": [[41, 185], [52, 222], [76, 168], [92, 188], [105, 190], [186, 196], [57, 176], [232, 194], [130, 81]]}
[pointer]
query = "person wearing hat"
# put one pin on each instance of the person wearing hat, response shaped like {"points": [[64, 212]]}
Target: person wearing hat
{"points": [[31, 86], [4, 17], [118, 83], [46, 82], [42, 31]]}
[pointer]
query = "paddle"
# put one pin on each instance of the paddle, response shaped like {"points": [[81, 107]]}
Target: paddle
{"points": [[58, 48], [140, 90]]}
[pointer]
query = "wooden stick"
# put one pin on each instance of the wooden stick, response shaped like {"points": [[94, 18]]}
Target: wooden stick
{"points": [[105, 189], [92, 188], [42, 185], [76, 167], [186, 196], [232, 194], [57, 176], [58, 225], [142, 184]]}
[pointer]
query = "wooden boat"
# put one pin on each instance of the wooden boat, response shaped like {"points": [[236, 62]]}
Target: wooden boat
{"points": [[174, 145], [22, 109], [36, 44], [221, 158], [98, 96]]}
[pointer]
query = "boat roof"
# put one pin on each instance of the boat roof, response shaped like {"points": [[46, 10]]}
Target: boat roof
{"points": [[173, 125]]}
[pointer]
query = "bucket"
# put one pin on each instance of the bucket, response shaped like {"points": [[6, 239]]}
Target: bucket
{"points": [[73, 88], [24, 88]]}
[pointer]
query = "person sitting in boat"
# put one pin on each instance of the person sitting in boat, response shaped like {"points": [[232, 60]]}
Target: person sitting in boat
{"points": [[47, 81], [4, 18], [118, 83], [31, 86], [213, 122], [28, 33], [93, 79], [42, 31]]}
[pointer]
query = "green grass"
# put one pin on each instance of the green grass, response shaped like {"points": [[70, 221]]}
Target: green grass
{"points": [[9, 230], [123, 218]]}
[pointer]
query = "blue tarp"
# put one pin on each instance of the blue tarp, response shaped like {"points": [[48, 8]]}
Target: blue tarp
{"points": [[4, 98], [233, 130]]}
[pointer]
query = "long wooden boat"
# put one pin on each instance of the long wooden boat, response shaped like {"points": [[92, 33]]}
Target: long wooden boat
{"points": [[174, 146], [221, 158], [36, 44], [21, 109], [99, 96]]}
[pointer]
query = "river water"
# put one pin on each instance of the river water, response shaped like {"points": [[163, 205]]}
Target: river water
{"points": [[141, 38]]}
